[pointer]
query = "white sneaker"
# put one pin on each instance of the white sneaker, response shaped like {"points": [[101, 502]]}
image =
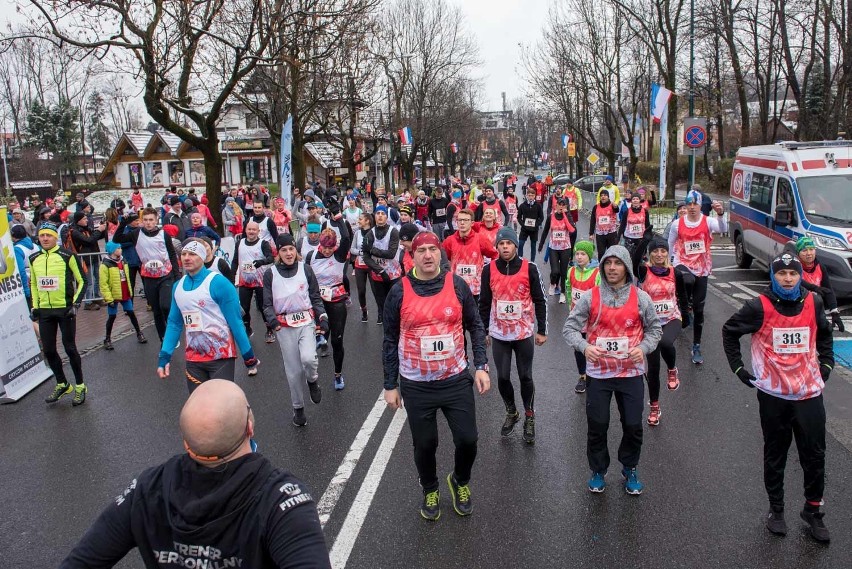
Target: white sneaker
{"points": [[552, 290], [561, 299]]}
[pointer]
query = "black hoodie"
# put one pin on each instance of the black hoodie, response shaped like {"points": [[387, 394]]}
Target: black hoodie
{"points": [[245, 513]]}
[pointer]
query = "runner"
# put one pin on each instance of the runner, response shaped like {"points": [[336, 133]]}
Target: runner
{"points": [[159, 264], [310, 241], [457, 204], [689, 241], [817, 280], [635, 225], [581, 277], [559, 228], [488, 227], [115, 289], [512, 206], [603, 224], [421, 209], [611, 189], [513, 309], [281, 217], [206, 307], [658, 280], [622, 328], [292, 305], [575, 200], [266, 227], [438, 211], [428, 313], [792, 356], [58, 283], [530, 218], [467, 251], [329, 265], [252, 257], [501, 214], [380, 251], [218, 264], [359, 268]]}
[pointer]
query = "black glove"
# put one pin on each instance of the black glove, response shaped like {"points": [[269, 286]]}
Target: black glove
{"points": [[34, 314], [837, 322], [385, 276], [824, 372], [71, 312], [258, 263], [251, 362], [746, 377], [323, 324]]}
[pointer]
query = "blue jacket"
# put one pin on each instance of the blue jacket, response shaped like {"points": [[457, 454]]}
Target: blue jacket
{"points": [[128, 251], [203, 231], [225, 295], [23, 249]]}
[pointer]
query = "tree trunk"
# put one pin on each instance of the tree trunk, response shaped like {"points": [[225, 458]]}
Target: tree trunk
{"points": [[298, 153], [213, 182]]}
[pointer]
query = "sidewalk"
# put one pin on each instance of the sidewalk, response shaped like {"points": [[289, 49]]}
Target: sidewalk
{"points": [[91, 326]]}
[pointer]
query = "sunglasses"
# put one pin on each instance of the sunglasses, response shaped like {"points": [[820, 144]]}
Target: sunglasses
{"points": [[223, 456]]}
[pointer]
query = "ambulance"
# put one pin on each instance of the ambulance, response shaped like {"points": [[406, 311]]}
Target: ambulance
{"points": [[783, 191]]}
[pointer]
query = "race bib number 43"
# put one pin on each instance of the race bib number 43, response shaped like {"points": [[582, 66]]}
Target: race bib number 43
{"points": [[434, 348], [791, 340], [614, 347], [509, 310]]}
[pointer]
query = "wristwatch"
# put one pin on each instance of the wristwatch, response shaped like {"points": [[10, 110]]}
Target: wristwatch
{"points": [[483, 367]]}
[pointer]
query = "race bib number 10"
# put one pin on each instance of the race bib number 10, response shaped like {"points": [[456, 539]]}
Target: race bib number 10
{"points": [[434, 348]]}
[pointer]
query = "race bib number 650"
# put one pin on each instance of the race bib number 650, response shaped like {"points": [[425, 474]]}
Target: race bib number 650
{"points": [[48, 284]]}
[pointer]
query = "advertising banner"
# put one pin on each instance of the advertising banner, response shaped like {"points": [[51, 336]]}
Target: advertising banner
{"points": [[22, 365]]}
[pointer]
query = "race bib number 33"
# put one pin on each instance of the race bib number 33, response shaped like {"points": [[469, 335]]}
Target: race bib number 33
{"points": [[614, 347]]}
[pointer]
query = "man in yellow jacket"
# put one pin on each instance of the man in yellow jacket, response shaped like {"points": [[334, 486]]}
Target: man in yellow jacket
{"points": [[614, 193], [57, 283], [116, 290]]}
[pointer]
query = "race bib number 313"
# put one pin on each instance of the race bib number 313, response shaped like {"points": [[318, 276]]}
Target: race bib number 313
{"points": [[791, 340]]}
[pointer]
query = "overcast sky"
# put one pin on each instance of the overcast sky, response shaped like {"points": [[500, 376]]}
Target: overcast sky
{"points": [[498, 25]]}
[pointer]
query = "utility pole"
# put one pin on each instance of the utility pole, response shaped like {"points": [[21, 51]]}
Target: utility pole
{"points": [[691, 180]]}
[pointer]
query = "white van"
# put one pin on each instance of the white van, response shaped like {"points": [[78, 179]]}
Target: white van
{"points": [[783, 191]]}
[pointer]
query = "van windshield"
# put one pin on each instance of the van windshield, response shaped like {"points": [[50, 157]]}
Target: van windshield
{"points": [[827, 198]]}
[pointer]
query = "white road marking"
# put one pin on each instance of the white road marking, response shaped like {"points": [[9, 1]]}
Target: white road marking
{"points": [[348, 534], [746, 290], [723, 285], [742, 296], [338, 482]]}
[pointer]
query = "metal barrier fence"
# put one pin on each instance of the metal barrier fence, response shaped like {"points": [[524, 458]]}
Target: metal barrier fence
{"points": [[91, 264]]}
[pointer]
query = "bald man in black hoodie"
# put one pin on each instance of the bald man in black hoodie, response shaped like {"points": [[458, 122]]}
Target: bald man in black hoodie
{"points": [[194, 509]]}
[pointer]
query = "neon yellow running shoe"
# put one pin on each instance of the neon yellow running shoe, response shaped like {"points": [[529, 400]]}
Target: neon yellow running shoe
{"points": [[58, 391]]}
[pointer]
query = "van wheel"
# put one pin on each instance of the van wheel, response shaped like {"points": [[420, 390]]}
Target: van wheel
{"points": [[742, 258]]}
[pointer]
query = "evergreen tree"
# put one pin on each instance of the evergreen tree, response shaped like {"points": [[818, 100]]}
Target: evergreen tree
{"points": [[99, 140]]}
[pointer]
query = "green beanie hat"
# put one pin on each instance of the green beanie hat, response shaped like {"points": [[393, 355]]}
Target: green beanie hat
{"points": [[586, 247], [804, 243]]}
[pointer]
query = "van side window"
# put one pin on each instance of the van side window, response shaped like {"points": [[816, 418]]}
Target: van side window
{"points": [[784, 195], [761, 192]]}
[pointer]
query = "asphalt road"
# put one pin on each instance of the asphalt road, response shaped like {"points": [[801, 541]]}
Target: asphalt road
{"points": [[702, 507]]}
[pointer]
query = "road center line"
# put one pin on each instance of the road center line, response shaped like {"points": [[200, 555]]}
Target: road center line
{"points": [[338, 482], [345, 540]]}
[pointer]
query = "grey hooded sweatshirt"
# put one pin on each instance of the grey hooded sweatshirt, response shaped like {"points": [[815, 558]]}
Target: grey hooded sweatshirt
{"points": [[613, 297]]}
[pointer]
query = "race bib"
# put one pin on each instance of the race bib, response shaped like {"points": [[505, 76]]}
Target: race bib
{"points": [[434, 348], [559, 236], [636, 229], [694, 247], [192, 321], [529, 222], [466, 271], [327, 293], [509, 310], [48, 284], [512, 208], [440, 212], [614, 347], [298, 319], [572, 202], [604, 220], [791, 340], [247, 267], [664, 308], [281, 229], [575, 295]]}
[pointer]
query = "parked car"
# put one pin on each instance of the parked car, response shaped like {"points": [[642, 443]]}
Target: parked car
{"points": [[590, 183], [561, 179]]}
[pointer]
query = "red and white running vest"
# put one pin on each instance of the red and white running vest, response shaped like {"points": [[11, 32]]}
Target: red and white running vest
{"points": [[560, 233], [692, 247], [153, 255], [662, 293], [495, 207], [248, 275], [512, 208], [578, 287], [431, 335], [605, 220], [813, 277], [208, 336], [390, 266], [512, 310], [615, 331], [307, 247], [291, 298], [783, 353], [329, 273], [635, 227], [467, 261]]}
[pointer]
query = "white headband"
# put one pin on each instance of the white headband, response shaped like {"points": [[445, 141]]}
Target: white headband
{"points": [[196, 248]]}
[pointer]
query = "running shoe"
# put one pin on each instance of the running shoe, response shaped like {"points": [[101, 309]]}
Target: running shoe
{"points": [[552, 290], [462, 503], [816, 526], [364, 315], [581, 384], [108, 345], [316, 391], [529, 430], [140, 337], [775, 523], [270, 337], [431, 508], [697, 358], [321, 341], [654, 415], [562, 298], [509, 423], [249, 332], [379, 321], [673, 381], [631, 481], [339, 383], [58, 391], [252, 371], [597, 483], [299, 418], [79, 394]]}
